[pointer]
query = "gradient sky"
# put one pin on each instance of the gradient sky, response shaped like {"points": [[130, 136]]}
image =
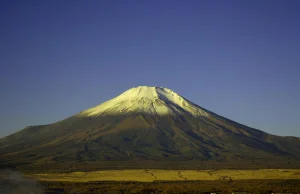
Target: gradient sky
{"points": [[239, 59]]}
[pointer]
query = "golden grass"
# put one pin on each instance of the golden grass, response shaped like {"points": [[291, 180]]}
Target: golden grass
{"points": [[170, 175]]}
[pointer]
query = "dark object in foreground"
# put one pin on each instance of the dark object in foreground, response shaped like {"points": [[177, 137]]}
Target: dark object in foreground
{"points": [[14, 182], [249, 186]]}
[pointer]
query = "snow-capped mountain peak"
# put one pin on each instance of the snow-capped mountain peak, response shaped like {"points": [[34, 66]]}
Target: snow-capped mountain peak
{"points": [[146, 99]]}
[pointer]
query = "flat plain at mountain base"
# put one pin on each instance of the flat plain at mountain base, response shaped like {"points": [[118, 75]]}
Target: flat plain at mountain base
{"points": [[170, 175]]}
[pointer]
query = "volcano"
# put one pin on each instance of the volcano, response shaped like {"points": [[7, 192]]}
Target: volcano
{"points": [[150, 127]]}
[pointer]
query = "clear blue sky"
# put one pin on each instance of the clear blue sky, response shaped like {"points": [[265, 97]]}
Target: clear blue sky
{"points": [[239, 59]]}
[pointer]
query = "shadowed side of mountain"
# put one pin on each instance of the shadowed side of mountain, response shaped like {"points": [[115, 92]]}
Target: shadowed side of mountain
{"points": [[135, 137]]}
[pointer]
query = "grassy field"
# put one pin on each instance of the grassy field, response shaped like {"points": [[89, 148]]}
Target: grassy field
{"points": [[170, 175]]}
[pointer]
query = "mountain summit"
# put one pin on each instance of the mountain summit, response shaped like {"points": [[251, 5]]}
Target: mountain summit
{"points": [[149, 126], [149, 100]]}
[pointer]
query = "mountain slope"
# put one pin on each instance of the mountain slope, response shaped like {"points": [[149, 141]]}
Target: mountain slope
{"points": [[146, 123]]}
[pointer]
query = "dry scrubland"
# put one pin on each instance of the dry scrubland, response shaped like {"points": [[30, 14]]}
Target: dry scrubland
{"points": [[170, 175], [174, 187]]}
